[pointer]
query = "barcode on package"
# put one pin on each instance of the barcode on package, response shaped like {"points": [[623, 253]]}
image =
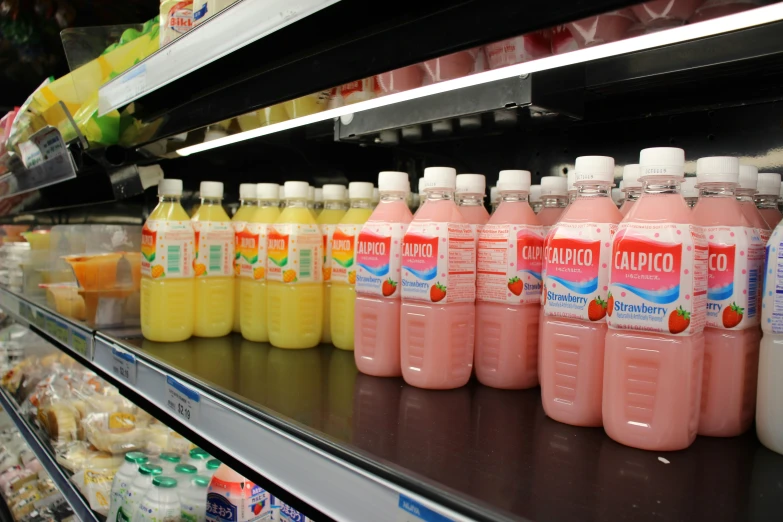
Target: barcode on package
{"points": [[215, 257], [306, 262], [174, 256], [753, 288]]}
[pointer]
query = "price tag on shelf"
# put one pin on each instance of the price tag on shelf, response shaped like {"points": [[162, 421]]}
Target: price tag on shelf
{"points": [[183, 401], [58, 330], [410, 510], [80, 344], [123, 365]]}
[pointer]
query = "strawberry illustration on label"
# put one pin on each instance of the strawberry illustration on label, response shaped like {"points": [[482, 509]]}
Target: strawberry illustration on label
{"points": [[732, 315], [515, 285], [679, 320], [389, 287], [437, 292], [596, 310], [610, 304]]}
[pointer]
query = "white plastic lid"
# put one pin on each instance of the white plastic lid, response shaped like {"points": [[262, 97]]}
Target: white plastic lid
{"points": [[296, 189], [170, 187], [421, 185], [211, 189], [514, 181], [267, 191], [360, 190], [494, 194], [310, 193], [376, 195], [769, 184], [717, 169], [247, 191], [594, 169], [471, 184], [319, 195], [391, 181], [631, 175], [554, 186], [570, 178], [662, 161], [440, 178], [688, 188], [535, 193], [334, 192], [748, 177]]}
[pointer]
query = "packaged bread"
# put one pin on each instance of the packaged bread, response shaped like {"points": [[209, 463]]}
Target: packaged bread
{"points": [[117, 432], [80, 455]]}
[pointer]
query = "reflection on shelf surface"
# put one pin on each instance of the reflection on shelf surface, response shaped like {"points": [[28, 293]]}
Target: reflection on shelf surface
{"points": [[495, 447]]}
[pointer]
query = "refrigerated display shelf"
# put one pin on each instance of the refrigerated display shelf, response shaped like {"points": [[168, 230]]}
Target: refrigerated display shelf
{"points": [[43, 452], [357, 447]]}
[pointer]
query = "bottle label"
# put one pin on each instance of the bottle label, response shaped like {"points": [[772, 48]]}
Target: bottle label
{"points": [[214, 249], [327, 232], [576, 281], [658, 278], [294, 253], [167, 249], [250, 250], [734, 264], [344, 253], [509, 264], [152, 511], [378, 259], [439, 263], [772, 303], [235, 501]]}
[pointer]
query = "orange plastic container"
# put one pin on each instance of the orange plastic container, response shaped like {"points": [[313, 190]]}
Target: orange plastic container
{"points": [[104, 272]]}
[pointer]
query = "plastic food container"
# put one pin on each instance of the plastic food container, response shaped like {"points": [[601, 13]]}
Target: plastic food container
{"points": [[399, 80], [717, 8], [518, 49], [110, 271], [451, 66], [39, 239], [661, 14], [65, 299], [604, 28]]}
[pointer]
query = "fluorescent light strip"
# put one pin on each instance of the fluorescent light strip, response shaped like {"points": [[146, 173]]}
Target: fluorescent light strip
{"points": [[735, 22]]}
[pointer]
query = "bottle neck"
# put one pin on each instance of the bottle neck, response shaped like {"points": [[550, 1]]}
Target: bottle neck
{"points": [[361, 203], [470, 200], [554, 201], [594, 190], [252, 202], [766, 201], [334, 205], [266, 203], [438, 194], [296, 203], [633, 193], [745, 194], [717, 190], [390, 196], [661, 185], [211, 201], [572, 196], [165, 198], [513, 196]]}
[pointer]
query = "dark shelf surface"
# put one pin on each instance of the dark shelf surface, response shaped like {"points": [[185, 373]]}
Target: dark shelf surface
{"points": [[494, 449]]}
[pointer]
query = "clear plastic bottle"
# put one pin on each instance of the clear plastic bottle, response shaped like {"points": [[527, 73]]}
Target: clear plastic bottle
{"points": [[247, 202], [160, 502], [535, 198], [193, 499], [690, 192], [184, 473], [376, 197], [198, 458], [631, 186], [319, 201], [168, 461], [123, 479], [422, 194], [470, 200], [767, 198], [230, 492], [554, 196], [167, 282], [212, 467], [746, 195], [333, 212], [494, 199], [213, 264], [138, 488]]}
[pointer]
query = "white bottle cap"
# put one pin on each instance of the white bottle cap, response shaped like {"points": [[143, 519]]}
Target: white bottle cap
{"points": [[594, 169], [535, 193], [247, 191], [334, 192], [494, 194], [631, 174], [319, 195], [281, 192], [390, 181], [570, 179], [170, 187], [267, 191], [662, 161], [769, 184], [554, 186], [311, 193], [360, 190], [376, 195], [211, 189], [717, 169], [471, 184], [421, 185], [688, 188], [748, 177], [440, 178], [296, 189], [514, 181]]}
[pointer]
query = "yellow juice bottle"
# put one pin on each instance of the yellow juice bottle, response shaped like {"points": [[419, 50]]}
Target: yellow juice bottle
{"points": [[213, 264], [247, 203], [252, 260], [344, 239], [295, 279], [333, 212], [167, 284]]}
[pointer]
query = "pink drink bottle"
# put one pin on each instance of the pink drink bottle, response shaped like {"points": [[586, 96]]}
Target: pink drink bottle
{"points": [[470, 199], [377, 316], [554, 195], [735, 265], [509, 289], [631, 186], [657, 305], [767, 199], [746, 194], [438, 313], [577, 253]]}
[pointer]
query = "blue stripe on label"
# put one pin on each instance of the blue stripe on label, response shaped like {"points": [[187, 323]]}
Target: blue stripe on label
{"points": [[184, 390], [409, 505], [123, 355]]}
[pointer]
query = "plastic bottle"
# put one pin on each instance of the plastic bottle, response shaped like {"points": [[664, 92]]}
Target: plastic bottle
{"points": [[319, 201], [746, 193], [617, 196], [138, 488], [653, 364], [344, 265], [690, 192], [294, 274], [167, 285], [767, 198], [198, 458], [554, 195], [735, 267], [168, 461], [422, 194], [631, 186], [437, 317], [311, 200], [160, 503], [570, 179], [122, 481], [508, 289], [376, 197], [578, 253], [212, 467], [377, 323], [247, 202], [193, 500], [535, 198], [470, 200], [252, 262], [230, 492], [281, 195], [213, 264], [333, 212], [184, 473]]}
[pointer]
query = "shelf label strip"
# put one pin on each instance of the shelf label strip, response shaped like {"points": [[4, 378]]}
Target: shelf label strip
{"points": [[123, 365], [183, 401], [412, 511]]}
